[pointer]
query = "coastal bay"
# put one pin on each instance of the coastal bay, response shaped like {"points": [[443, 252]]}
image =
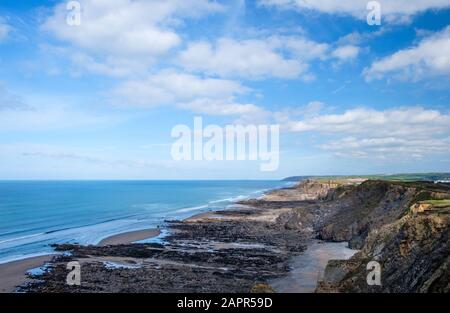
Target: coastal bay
{"points": [[14, 273], [36, 214], [239, 249], [316, 236]]}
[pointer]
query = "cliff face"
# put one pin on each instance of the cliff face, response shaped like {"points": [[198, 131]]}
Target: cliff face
{"points": [[305, 190], [402, 226], [356, 210]]}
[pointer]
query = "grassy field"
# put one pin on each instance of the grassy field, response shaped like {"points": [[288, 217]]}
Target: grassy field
{"points": [[388, 177], [438, 203]]}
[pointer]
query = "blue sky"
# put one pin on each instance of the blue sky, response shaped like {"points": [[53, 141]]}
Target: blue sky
{"points": [[99, 100]]}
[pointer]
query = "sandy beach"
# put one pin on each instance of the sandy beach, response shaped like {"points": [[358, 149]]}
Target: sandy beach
{"points": [[13, 273], [129, 237]]}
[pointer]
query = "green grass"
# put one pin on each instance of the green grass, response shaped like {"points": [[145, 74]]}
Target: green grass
{"points": [[406, 177], [438, 203], [391, 177]]}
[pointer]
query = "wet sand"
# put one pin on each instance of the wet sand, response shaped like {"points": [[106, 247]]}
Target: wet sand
{"points": [[307, 268], [13, 274], [129, 237]]}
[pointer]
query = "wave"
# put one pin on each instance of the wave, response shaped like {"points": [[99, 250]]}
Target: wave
{"points": [[24, 256], [22, 245], [221, 200], [85, 234], [231, 199], [21, 238], [191, 209], [225, 200]]}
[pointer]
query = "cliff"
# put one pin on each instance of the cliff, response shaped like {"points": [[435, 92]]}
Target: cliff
{"points": [[308, 189], [402, 226]]}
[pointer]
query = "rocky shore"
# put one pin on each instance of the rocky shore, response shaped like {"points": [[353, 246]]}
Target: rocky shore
{"points": [[228, 251], [403, 226]]}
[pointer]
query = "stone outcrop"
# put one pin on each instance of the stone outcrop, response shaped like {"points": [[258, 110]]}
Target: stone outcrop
{"points": [[401, 225], [409, 239], [305, 190], [359, 209]]}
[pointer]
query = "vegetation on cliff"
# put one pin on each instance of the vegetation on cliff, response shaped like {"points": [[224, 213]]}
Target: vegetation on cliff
{"points": [[404, 226]]}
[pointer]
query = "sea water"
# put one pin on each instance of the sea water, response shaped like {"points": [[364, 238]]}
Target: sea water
{"points": [[36, 214]]}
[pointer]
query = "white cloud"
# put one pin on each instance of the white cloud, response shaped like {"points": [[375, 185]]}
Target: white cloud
{"points": [[392, 11], [5, 30], [169, 87], [10, 101], [122, 37], [125, 27], [275, 56], [301, 48], [368, 132], [286, 115], [127, 37], [80, 63], [247, 58], [71, 157], [51, 118], [40, 113], [206, 96], [347, 52], [221, 108], [65, 158], [430, 57], [388, 147], [410, 121], [110, 66]]}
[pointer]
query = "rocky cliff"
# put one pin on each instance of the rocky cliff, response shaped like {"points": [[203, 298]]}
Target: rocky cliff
{"points": [[402, 226], [308, 189]]}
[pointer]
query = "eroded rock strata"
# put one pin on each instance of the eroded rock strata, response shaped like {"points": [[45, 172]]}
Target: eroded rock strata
{"points": [[403, 226]]}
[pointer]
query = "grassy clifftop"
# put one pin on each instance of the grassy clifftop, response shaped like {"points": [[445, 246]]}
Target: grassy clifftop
{"points": [[402, 225], [387, 177]]}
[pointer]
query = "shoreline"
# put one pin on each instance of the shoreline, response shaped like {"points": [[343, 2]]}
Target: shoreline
{"points": [[14, 273], [265, 246], [130, 237]]}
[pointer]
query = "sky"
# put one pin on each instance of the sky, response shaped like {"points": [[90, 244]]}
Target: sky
{"points": [[99, 100]]}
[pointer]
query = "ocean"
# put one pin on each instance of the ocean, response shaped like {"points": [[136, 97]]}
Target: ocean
{"points": [[36, 214]]}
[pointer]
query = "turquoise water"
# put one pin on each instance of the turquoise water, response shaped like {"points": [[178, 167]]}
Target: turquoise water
{"points": [[35, 214]]}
